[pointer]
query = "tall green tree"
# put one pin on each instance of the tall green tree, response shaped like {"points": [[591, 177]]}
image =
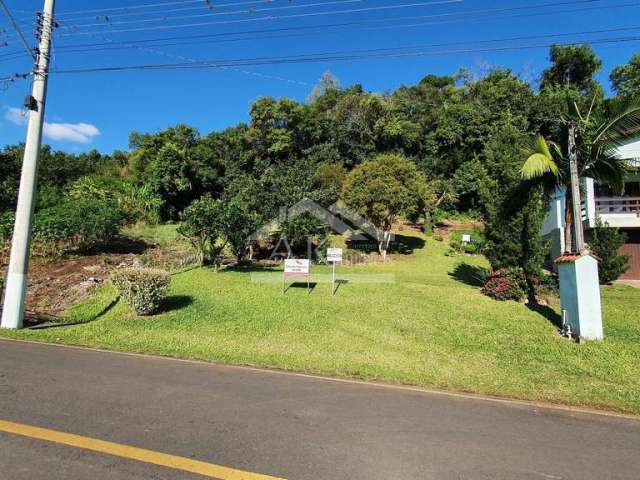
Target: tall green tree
{"points": [[513, 210], [625, 79], [572, 66]]}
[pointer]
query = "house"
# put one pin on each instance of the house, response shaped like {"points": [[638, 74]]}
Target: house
{"points": [[620, 210]]}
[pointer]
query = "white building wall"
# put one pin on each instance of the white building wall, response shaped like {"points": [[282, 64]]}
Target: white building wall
{"points": [[554, 223]]}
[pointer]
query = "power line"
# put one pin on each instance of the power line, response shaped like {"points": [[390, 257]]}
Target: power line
{"points": [[336, 56], [525, 37], [234, 12], [246, 72], [205, 38], [130, 7], [170, 10], [493, 11], [272, 18], [209, 38], [386, 20], [360, 22], [446, 14], [17, 29]]}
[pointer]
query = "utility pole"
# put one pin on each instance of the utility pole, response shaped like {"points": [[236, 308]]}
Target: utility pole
{"points": [[16, 288], [575, 191]]}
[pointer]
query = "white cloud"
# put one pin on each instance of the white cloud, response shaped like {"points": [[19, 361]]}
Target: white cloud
{"points": [[71, 132], [15, 115]]}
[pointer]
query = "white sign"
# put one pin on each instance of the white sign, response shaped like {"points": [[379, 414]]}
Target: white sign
{"points": [[296, 266], [466, 238], [334, 255]]}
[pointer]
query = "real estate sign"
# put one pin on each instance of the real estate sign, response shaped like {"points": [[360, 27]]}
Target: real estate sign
{"points": [[295, 266], [334, 255]]}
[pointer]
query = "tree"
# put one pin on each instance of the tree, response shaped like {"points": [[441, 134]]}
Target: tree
{"points": [[600, 132], [242, 217], [178, 166], [513, 211], [203, 223], [572, 66], [381, 190], [625, 79], [328, 81], [605, 243], [327, 182], [434, 195], [468, 181]]}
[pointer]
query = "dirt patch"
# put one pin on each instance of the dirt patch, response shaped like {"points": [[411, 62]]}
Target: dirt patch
{"points": [[446, 228], [57, 283]]}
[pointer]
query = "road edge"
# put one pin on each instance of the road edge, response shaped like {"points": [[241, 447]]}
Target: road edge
{"points": [[353, 381]]}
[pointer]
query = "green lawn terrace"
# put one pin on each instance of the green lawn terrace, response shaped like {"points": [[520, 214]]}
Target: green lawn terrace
{"points": [[428, 326]]}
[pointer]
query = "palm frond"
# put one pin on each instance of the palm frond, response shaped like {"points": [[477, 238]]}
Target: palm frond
{"points": [[622, 125], [539, 162], [610, 169]]}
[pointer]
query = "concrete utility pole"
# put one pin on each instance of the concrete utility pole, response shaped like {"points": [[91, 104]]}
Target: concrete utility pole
{"points": [[575, 191], [14, 299]]}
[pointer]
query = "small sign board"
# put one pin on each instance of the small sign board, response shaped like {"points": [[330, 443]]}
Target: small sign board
{"points": [[466, 238], [334, 255], [295, 266]]}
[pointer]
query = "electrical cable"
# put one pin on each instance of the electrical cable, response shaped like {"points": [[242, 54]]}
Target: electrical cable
{"points": [[334, 56], [272, 18]]}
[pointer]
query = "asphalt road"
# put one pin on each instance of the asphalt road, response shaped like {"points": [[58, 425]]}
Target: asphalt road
{"points": [[284, 425]]}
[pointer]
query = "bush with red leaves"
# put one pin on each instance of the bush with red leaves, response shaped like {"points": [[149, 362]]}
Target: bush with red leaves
{"points": [[506, 284]]}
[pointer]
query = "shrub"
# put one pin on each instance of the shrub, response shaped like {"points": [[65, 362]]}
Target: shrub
{"points": [[137, 202], [438, 238], [506, 284], [143, 288], [605, 242], [78, 223]]}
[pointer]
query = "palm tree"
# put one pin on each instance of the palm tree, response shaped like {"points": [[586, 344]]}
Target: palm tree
{"points": [[599, 135]]}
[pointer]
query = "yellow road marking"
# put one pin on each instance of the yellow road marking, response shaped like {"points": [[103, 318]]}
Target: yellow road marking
{"points": [[125, 451]]}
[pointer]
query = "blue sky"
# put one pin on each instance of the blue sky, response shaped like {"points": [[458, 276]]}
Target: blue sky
{"points": [[99, 110]]}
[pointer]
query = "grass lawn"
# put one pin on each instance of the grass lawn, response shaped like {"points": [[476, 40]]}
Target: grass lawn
{"points": [[430, 327], [163, 235]]}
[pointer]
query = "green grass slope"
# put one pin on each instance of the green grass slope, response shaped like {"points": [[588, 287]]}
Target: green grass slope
{"points": [[429, 327]]}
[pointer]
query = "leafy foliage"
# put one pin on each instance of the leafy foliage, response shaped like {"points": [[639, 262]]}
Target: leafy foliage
{"points": [[242, 218], [572, 65], [203, 223], [506, 284], [143, 288], [76, 223], [460, 137], [301, 230], [625, 79], [514, 211], [382, 189], [605, 243]]}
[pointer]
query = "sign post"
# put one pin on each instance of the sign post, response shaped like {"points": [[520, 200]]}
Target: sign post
{"points": [[294, 267], [334, 255]]}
